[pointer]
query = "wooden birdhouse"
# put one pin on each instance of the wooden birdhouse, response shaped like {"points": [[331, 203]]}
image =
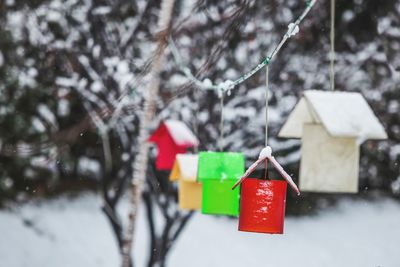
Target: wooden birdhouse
{"points": [[218, 172], [189, 190], [331, 126], [171, 138], [262, 201]]}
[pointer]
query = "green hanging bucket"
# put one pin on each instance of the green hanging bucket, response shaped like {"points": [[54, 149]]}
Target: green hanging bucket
{"points": [[218, 172]]}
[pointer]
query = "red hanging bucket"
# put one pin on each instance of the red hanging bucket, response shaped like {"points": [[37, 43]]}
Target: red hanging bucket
{"points": [[262, 202], [262, 206]]}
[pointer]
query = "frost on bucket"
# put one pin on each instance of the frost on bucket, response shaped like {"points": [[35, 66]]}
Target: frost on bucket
{"points": [[218, 172], [263, 202], [331, 125]]}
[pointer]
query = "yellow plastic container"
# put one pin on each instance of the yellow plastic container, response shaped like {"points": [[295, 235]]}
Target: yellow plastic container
{"points": [[189, 195], [189, 190]]}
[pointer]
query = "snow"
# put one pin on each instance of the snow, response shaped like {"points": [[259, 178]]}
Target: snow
{"points": [[1, 59], [265, 153], [87, 165], [348, 15], [53, 16], [96, 87], [188, 166], [343, 114], [396, 186], [74, 232], [15, 20], [7, 182], [47, 114], [207, 83], [66, 82], [241, 53], [181, 134], [38, 125], [101, 10], [25, 79], [225, 86], [394, 152], [96, 51], [293, 29]]}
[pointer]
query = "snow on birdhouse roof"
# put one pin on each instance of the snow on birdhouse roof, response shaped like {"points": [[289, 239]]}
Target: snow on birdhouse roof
{"points": [[181, 134], [343, 114], [188, 166]]}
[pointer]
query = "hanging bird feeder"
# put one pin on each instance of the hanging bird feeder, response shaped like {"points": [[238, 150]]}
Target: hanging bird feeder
{"points": [[218, 172], [332, 126], [262, 206], [262, 202], [189, 190], [172, 137]]}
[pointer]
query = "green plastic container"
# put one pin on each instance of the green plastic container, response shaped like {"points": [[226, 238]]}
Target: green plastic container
{"points": [[218, 172], [220, 165], [219, 198]]}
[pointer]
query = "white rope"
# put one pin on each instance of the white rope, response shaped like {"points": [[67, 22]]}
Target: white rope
{"points": [[332, 54]]}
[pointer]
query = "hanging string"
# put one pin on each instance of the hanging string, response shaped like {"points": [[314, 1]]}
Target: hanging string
{"points": [[196, 117], [266, 103], [332, 54], [221, 125], [266, 116]]}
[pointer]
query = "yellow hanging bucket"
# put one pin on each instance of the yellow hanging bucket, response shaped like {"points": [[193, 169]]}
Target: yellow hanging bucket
{"points": [[189, 190]]}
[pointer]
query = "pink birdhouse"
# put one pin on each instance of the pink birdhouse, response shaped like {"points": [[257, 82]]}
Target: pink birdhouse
{"points": [[172, 137]]}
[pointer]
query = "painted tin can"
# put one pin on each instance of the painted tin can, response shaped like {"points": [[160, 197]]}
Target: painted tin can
{"points": [[262, 206]]}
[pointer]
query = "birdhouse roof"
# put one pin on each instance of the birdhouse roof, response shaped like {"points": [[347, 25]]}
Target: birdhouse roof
{"points": [[220, 165], [187, 166], [179, 132], [343, 114]]}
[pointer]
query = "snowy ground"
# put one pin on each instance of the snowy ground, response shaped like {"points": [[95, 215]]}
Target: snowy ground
{"points": [[74, 232]]}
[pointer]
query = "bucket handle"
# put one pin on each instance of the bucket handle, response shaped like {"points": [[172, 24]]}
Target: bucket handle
{"points": [[265, 155]]}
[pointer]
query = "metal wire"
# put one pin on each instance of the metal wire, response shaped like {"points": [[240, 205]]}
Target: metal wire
{"points": [[221, 125], [266, 103], [332, 54], [291, 31]]}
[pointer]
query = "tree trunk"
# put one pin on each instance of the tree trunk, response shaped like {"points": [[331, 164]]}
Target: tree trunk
{"points": [[140, 165]]}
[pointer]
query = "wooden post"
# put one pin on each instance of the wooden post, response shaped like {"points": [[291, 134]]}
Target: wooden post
{"points": [[140, 165]]}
